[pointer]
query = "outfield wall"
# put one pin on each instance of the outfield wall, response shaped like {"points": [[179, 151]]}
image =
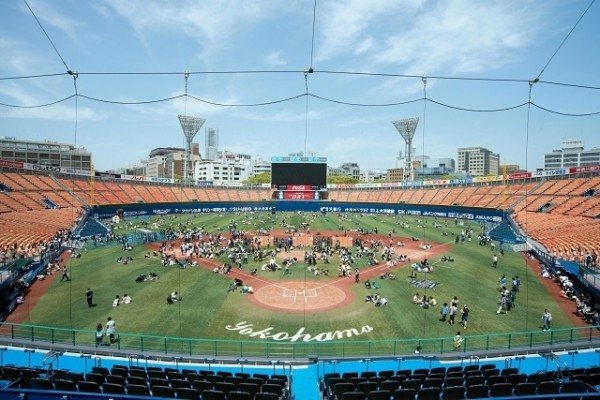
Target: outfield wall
{"points": [[415, 210]]}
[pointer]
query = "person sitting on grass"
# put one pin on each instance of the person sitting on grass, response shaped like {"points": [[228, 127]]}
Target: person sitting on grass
{"points": [[247, 289], [416, 299]]}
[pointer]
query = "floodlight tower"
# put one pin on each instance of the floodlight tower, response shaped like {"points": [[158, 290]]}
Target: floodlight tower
{"points": [[406, 128], [190, 126]]}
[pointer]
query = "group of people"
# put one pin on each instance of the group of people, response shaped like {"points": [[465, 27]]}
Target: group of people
{"points": [[152, 276], [118, 300], [108, 330], [507, 296], [376, 299], [450, 311], [424, 301], [422, 266]]}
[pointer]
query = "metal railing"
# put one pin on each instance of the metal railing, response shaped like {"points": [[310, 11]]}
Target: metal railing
{"points": [[513, 341]]}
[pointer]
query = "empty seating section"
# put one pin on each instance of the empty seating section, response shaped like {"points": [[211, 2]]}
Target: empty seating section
{"points": [[106, 192], [9, 200], [510, 195], [584, 206], [429, 195], [167, 194], [211, 195], [452, 197], [470, 382], [543, 188], [418, 196], [61, 199], [120, 192], [406, 196], [17, 181], [156, 194], [440, 196], [362, 196], [374, 196], [82, 189], [144, 194], [353, 197], [534, 203], [259, 195], [28, 228], [384, 197], [153, 382], [243, 195], [565, 236], [465, 195], [344, 196]]}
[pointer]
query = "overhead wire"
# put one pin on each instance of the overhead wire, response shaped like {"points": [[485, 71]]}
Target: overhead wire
{"points": [[312, 39], [74, 75], [73, 190], [537, 78], [291, 98], [7, 78], [526, 227], [48, 37]]}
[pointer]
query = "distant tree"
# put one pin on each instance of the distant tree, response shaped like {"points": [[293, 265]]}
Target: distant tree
{"points": [[259, 179], [341, 179]]}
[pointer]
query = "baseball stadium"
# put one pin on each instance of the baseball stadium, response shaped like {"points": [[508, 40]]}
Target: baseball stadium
{"points": [[219, 275], [229, 279]]}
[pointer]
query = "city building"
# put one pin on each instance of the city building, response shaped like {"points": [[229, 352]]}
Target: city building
{"points": [[167, 162], [478, 161], [510, 169], [47, 155], [373, 175], [348, 169], [211, 143], [571, 154], [433, 167], [395, 174], [222, 172], [260, 166]]}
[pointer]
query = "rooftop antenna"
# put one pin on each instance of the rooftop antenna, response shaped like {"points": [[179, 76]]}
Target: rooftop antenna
{"points": [[406, 128]]}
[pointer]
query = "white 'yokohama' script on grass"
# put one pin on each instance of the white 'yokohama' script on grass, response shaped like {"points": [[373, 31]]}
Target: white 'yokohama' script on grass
{"points": [[246, 329]]}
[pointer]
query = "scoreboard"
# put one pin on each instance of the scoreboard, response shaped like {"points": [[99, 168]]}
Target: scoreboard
{"points": [[303, 178]]}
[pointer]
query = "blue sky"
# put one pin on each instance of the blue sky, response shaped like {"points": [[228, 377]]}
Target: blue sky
{"points": [[501, 40]]}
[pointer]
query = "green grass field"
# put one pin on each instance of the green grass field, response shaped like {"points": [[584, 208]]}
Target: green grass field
{"points": [[207, 307]]}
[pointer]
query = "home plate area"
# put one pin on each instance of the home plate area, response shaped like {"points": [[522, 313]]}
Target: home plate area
{"points": [[297, 296], [301, 295]]}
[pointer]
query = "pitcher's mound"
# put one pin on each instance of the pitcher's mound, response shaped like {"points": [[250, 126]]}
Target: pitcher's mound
{"points": [[300, 296]]}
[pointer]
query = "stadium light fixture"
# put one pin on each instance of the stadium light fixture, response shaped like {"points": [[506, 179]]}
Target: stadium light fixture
{"points": [[406, 128], [190, 127]]}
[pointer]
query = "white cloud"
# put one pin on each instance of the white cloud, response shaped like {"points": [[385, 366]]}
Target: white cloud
{"points": [[344, 22], [210, 22], [276, 58], [462, 36], [280, 116], [424, 37]]}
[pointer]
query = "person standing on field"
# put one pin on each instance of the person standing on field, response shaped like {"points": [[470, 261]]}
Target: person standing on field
{"points": [[546, 319]]}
